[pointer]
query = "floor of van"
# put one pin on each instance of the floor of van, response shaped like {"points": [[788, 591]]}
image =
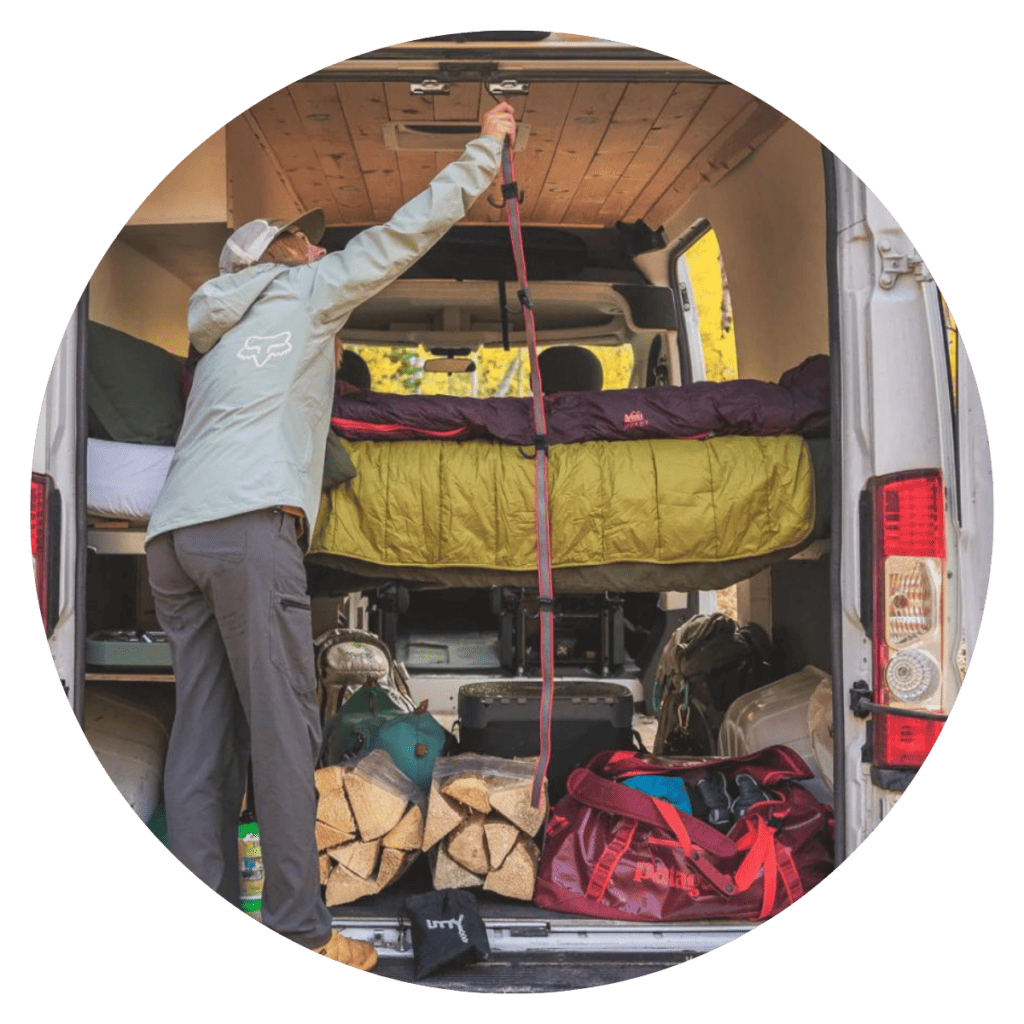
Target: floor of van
{"points": [[532, 949]]}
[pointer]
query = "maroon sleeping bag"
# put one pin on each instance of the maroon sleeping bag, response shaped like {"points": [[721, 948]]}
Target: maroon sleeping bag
{"points": [[798, 404]]}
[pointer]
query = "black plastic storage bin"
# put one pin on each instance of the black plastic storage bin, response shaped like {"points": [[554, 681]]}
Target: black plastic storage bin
{"points": [[501, 719]]}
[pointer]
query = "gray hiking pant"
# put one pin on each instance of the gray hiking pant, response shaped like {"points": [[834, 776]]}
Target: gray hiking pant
{"points": [[231, 596]]}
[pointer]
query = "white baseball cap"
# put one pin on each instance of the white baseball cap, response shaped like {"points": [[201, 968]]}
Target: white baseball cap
{"points": [[248, 243]]}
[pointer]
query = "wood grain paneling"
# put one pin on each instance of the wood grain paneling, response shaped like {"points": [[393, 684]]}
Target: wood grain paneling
{"points": [[319, 108], [365, 107], [733, 143], [630, 125], [723, 104], [589, 116], [598, 152], [281, 126], [675, 117]]}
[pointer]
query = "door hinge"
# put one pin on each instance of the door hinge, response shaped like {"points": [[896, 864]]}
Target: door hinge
{"points": [[684, 298], [894, 264]]}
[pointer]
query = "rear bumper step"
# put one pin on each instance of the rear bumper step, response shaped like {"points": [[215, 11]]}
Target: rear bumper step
{"points": [[564, 936]]}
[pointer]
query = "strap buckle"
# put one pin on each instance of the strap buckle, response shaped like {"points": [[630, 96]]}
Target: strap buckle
{"points": [[509, 190]]}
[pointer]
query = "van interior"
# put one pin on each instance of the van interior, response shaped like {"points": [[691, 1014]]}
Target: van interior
{"points": [[675, 231]]}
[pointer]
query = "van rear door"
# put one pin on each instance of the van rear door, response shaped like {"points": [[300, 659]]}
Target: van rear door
{"points": [[58, 509], [976, 495], [912, 509]]}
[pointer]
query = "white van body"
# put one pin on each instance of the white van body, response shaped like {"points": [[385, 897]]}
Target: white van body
{"points": [[872, 305]]}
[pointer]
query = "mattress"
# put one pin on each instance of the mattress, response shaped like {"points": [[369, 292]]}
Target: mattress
{"points": [[125, 479], [625, 515]]}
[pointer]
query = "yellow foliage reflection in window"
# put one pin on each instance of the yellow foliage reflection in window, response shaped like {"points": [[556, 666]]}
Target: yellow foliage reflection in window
{"points": [[714, 306]]}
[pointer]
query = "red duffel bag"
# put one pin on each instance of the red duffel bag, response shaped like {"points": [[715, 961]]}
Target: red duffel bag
{"points": [[612, 851]]}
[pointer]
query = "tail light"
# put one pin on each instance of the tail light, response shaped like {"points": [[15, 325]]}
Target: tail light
{"points": [[909, 574], [45, 536]]}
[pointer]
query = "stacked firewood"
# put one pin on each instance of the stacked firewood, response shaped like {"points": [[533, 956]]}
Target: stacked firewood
{"points": [[369, 826], [481, 825]]}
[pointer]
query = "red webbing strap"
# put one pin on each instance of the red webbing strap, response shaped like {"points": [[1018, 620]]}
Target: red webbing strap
{"points": [[760, 841], [545, 583], [719, 879], [609, 860]]}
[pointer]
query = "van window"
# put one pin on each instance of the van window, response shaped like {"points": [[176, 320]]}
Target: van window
{"points": [[498, 373], [705, 266]]}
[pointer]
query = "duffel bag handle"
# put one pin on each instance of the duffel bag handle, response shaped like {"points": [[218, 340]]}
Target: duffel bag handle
{"points": [[693, 835], [589, 788]]}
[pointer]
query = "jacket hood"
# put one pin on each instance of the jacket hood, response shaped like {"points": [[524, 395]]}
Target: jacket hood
{"points": [[220, 303]]}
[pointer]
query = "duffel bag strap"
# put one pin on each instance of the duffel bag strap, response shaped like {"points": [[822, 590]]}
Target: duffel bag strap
{"points": [[723, 882], [695, 838], [765, 851], [594, 791], [609, 860]]}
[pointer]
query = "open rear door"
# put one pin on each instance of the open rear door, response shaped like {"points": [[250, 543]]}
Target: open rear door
{"points": [[976, 497], [58, 509]]}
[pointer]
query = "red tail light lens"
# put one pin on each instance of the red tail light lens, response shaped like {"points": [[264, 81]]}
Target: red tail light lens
{"points": [[909, 595], [44, 548]]}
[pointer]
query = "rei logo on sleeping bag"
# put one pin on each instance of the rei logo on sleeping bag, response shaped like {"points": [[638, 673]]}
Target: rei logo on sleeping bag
{"points": [[262, 350]]}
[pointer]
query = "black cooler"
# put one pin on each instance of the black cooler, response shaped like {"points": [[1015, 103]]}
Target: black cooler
{"points": [[502, 719]]}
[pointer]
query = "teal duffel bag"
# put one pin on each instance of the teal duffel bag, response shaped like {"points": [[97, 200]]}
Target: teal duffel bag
{"points": [[413, 740], [371, 721], [353, 730]]}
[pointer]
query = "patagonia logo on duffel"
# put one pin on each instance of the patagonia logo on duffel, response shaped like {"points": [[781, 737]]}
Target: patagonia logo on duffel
{"points": [[455, 922], [661, 874]]}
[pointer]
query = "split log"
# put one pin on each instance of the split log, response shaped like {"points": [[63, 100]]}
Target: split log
{"points": [[468, 789], [344, 886], [511, 798], [443, 815], [359, 857], [449, 874], [329, 779], [333, 809], [517, 876], [325, 868], [408, 833], [377, 809], [392, 864], [466, 845], [328, 836], [501, 836]]}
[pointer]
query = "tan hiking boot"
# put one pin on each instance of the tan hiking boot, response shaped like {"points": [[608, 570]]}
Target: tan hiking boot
{"points": [[360, 955]]}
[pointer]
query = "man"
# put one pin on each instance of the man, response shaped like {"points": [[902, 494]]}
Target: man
{"points": [[226, 537]]}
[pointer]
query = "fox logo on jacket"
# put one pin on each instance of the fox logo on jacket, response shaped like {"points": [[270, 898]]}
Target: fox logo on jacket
{"points": [[262, 350]]}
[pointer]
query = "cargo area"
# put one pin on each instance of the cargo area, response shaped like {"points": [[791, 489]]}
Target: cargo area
{"points": [[655, 237]]}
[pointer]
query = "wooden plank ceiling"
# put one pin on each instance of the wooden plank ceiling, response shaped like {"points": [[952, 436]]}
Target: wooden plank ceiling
{"points": [[597, 152]]}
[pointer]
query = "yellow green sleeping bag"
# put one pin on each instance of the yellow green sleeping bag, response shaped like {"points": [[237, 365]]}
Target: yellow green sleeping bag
{"points": [[448, 505]]}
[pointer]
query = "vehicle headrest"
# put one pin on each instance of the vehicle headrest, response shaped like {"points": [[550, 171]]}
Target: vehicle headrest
{"points": [[353, 370], [570, 368]]}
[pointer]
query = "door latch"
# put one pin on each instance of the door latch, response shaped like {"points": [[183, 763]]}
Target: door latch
{"points": [[429, 87], [894, 264], [508, 87]]}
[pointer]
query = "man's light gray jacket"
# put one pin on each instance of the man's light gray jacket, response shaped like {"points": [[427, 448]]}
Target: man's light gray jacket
{"points": [[257, 417]]}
